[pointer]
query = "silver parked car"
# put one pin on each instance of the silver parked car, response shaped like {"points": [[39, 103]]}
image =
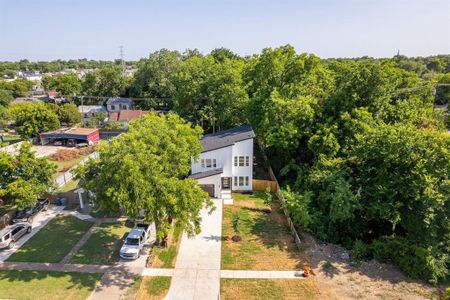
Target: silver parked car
{"points": [[11, 234]]}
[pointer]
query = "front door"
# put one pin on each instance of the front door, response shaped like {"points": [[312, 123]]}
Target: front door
{"points": [[226, 183]]}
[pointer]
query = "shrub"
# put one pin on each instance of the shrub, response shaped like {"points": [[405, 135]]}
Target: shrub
{"points": [[297, 206], [417, 261], [360, 251]]}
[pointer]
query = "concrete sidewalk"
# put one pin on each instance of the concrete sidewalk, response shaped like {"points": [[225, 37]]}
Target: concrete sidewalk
{"points": [[261, 274], [39, 221], [197, 270]]}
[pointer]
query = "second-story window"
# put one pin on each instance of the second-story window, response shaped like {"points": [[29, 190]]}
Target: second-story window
{"points": [[113, 107], [202, 162], [247, 161], [214, 163], [208, 162], [235, 161]]}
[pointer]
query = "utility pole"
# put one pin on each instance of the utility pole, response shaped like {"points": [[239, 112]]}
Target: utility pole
{"points": [[122, 60]]}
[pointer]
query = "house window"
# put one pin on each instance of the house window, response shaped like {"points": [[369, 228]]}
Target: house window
{"points": [[235, 161], [246, 181], [241, 161], [214, 163], [208, 162], [124, 106], [203, 163], [241, 181], [113, 107], [247, 161], [235, 181]]}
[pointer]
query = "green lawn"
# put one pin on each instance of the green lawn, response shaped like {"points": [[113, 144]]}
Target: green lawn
{"points": [[103, 247], [266, 240], [166, 257], [154, 287], [16, 284], [265, 289], [70, 186], [52, 242]]}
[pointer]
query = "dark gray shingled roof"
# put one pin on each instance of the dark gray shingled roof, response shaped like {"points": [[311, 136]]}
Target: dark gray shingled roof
{"points": [[226, 138], [206, 174]]}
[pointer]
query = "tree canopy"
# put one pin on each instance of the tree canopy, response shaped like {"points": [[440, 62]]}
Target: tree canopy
{"points": [[23, 177], [68, 84], [32, 118], [145, 169], [107, 82]]}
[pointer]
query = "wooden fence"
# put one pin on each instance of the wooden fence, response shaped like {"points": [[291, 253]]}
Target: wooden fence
{"points": [[263, 185], [280, 197]]}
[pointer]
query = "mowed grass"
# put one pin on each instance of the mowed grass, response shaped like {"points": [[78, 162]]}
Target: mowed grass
{"points": [[267, 289], [266, 240], [103, 247], [166, 257], [15, 284], [154, 288], [70, 186], [52, 242]]}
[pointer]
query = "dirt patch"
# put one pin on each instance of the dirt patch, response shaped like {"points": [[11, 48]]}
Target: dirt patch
{"points": [[339, 278]]}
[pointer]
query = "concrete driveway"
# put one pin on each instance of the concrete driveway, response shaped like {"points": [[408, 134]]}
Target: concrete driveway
{"points": [[197, 270], [39, 221]]}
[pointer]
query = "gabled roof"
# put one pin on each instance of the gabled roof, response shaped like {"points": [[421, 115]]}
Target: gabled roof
{"points": [[119, 100], [206, 174], [127, 115], [226, 138]]}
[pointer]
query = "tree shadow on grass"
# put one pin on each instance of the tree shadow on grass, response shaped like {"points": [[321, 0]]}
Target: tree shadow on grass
{"points": [[75, 280]]}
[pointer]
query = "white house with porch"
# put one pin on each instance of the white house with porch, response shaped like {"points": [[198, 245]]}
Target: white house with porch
{"points": [[226, 162]]}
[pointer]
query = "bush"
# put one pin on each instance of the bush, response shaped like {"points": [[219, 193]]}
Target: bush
{"points": [[360, 251], [424, 262], [297, 206]]}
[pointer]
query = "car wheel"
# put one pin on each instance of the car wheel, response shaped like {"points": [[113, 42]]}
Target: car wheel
{"points": [[29, 229], [11, 245]]}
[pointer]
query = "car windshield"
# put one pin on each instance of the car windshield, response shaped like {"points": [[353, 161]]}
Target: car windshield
{"points": [[130, 241]]}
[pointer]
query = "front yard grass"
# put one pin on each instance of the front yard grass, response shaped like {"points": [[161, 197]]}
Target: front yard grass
{"points": [[15, 284], [103, 247], [266, 240], [166, 257], [154, 288], [52, 242], [265, 289]]}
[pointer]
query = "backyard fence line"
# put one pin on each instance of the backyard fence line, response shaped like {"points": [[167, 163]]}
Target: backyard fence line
{"points": [[68, 175], [263, 185], [280, 197]]}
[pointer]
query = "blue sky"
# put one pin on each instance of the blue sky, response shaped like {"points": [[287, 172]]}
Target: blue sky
{"points": [[52, 29]]}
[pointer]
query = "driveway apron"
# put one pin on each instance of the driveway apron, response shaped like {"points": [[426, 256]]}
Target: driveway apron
{"points": [[197, 270]]}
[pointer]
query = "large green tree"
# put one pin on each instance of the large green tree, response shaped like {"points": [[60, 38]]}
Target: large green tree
{"points": [[68, 84], [211, 92], [105, 82], [23, 177], [32, 118], [153, 76], [146, 168]]}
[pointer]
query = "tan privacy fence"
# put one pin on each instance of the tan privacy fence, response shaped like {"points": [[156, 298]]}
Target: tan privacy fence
{"points": [[263, 185], [281, 199]]}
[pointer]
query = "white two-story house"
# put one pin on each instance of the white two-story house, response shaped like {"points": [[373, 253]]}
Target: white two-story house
{"points": [[226, 162]]}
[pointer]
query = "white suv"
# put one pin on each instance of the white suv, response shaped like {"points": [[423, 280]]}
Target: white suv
{"points": [[10, 234]]}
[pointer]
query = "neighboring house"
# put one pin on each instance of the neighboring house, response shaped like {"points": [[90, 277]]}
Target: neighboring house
{"points": [[226, 162], [125, 116], [32, 76], [118, 104], [88, 111]]}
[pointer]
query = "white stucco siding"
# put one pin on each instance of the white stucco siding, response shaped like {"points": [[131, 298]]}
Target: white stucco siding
{"points": [[243, 148], [215, 179]]}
